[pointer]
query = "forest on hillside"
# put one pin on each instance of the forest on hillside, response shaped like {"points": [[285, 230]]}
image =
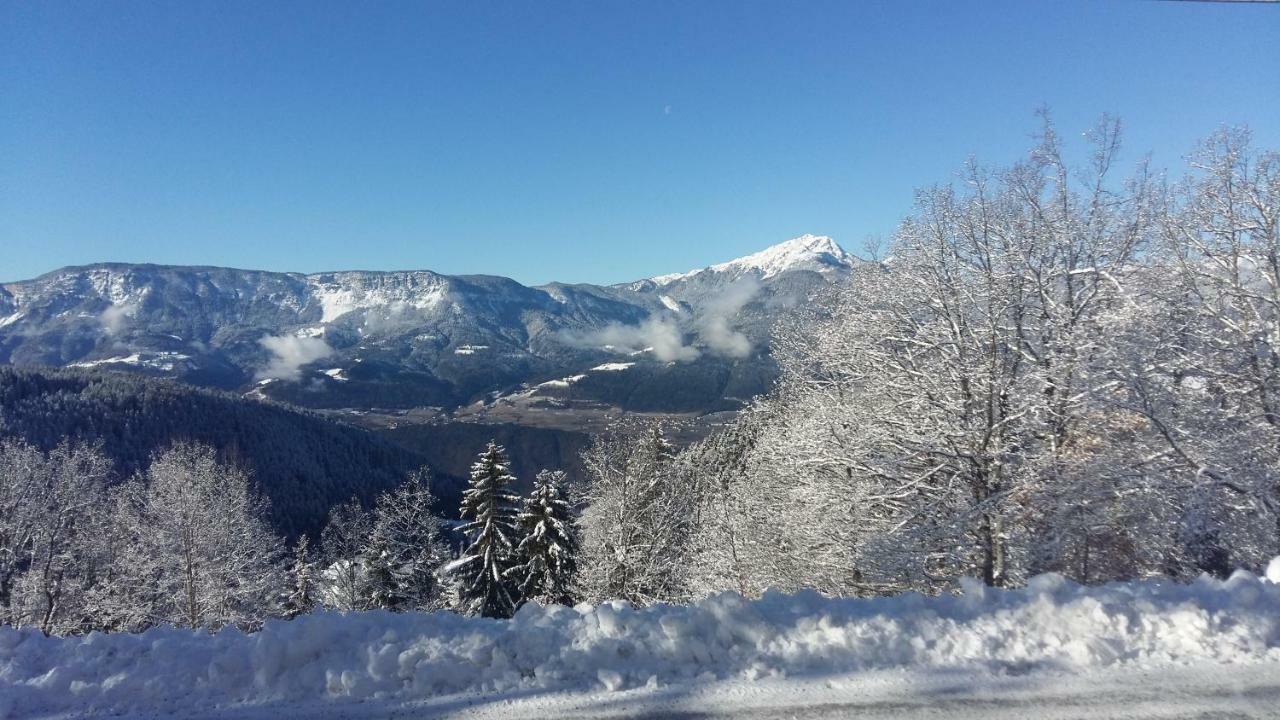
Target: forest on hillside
{"points": [[303, 463]]}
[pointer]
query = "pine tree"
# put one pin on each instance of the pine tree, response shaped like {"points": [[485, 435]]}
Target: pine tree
{"points": [[302, 598], [549, 546], [481, 572]]}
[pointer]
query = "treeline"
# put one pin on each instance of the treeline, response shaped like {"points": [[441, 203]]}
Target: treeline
{"points": [[303, 463], [1048, 370], [185, 542]]}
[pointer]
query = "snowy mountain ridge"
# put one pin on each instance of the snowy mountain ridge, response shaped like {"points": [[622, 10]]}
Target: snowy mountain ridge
{"points": [[418, 338], [807, 252]]}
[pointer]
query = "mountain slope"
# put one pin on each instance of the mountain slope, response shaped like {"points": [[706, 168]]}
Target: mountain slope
{"points": [[416, 338], [303, 463]]}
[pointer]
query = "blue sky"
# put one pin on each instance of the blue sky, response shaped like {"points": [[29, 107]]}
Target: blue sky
{"points": [[584, 141]]}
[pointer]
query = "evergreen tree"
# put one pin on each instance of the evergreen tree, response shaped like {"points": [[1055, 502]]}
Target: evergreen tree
{"points": [[302, 597], [481, 572], [549, 546]]}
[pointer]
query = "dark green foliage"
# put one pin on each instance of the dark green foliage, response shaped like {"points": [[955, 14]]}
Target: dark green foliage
{"points": [[452, 447], [302, 462], [482, 572], [548, 549]]}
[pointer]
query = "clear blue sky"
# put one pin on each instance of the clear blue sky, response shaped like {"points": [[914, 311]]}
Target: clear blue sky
{"points": [[588, 141]]}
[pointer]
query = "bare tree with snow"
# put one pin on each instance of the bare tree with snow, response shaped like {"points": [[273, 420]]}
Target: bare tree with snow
{"points": [[344, 542], [201, 546], [51, 528], [405, 548], [637, 521]]}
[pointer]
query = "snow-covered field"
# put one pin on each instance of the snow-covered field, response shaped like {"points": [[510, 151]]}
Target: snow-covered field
{"points": [[1142, 649]]}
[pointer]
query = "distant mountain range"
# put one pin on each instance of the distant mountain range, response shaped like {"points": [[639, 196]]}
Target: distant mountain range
{"points": [[687, 342]]}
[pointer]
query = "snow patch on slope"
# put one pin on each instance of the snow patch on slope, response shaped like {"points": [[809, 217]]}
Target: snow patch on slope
{"points": [[1051, 625], [345, 293], [165, 361], [562, 382], [613, 366]]}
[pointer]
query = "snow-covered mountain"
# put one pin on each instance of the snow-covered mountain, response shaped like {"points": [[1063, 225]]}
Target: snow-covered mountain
{"points": [[807, 252], [692, 341]]}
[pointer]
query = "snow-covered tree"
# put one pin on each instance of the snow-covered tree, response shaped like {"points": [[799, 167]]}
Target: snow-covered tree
{"points": [[51, 527], [1209, 379], [302, 594], [960, 408], [482, 572], [344, 541], [405, 549], [201, 547], [638, 515], [548, 548]]}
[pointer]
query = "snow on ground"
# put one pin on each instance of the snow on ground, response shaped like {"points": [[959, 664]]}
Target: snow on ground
{"points": [[613, 366], [828, 657], [158, 360], [1199, 691], [562, 382], [671, 304]]}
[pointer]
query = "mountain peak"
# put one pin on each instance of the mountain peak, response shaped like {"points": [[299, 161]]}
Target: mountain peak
{"points": [[807, 252]]}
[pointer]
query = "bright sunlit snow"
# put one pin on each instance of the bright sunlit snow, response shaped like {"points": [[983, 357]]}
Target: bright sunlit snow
{"points": [[1051, 627]]}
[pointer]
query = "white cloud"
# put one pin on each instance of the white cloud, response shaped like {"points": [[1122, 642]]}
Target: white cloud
{"points": [[289, 354], [713, 325], [663, 335], [114, 318], [660, 333]]}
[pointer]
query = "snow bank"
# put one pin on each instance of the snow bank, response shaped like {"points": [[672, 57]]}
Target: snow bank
{"points": [[1051, 624]]}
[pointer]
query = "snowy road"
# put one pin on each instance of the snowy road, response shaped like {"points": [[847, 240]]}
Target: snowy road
{"points": [[1216, 692], [1203, 692]]}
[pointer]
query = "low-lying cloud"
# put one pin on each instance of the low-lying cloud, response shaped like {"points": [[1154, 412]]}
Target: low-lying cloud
{"points": [[713, 324], [115, 317], [289, 353], [665, 337], [659, 333]]}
